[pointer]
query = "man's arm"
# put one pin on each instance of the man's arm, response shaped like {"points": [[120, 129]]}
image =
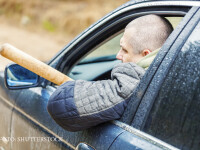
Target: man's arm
{"points": [[78, 105]]}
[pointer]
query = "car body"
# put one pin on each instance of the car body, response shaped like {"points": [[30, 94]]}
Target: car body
{"points": [[163, 110]]}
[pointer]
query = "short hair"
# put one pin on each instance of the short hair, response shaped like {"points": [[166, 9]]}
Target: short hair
{"points": [[148, 32]]}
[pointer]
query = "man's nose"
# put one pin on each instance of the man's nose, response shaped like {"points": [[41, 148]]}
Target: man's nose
{"points": [[119, 55]]}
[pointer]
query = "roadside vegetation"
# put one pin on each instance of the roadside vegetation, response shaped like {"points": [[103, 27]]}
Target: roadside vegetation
{"points": [[68, 17]]}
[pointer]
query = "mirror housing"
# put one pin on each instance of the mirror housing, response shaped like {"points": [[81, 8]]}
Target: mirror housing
{"points": [[18, 77]]}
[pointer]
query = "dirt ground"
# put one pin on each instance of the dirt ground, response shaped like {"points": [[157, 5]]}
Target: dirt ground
{"points": [[43, 27], [41, 46]]}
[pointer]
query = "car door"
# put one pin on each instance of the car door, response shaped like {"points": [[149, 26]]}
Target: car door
{"points": [[7, 103], [30, 117], [169, 106]]}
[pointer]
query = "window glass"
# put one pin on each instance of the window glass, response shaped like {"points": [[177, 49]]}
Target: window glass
{"points": [[174, 117], [174, 21]]}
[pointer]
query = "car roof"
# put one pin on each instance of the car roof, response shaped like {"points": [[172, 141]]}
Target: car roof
{"points": [[140, 1]]}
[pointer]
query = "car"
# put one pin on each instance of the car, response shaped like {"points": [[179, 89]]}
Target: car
{"points": [[163, 112]]}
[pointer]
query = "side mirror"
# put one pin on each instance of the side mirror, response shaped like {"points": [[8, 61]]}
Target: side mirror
{"points": [[18, 77]]}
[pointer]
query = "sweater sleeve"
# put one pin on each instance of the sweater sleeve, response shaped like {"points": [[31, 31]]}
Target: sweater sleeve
{"points": [[78, 105]]}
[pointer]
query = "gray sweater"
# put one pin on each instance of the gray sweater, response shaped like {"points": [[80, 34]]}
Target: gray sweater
{"points": [[77, 105]]}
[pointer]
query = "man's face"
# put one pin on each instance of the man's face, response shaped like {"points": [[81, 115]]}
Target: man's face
{"points": [[127, 52]]}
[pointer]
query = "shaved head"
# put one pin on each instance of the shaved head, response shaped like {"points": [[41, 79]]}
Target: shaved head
{"points": [[148, 32], [142, 36]]}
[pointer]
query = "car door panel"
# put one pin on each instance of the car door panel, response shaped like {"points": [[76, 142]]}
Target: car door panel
{"points": [[30, 119], [5, 122], [134, 139], [30, 135], [7, 103], [33, 123], [29, 123], [127, 141]]}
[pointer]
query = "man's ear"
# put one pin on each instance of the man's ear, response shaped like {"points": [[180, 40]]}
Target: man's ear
{"points": [[146, 52]]}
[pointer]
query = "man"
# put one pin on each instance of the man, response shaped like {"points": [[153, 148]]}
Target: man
{"points": [[77, 105]]}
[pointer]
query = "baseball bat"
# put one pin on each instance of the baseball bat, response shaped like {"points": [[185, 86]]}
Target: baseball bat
{"points": [[38, 67]]}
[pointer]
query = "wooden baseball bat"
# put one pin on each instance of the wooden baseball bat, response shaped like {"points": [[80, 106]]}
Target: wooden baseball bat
{"points": [[12, 53]]}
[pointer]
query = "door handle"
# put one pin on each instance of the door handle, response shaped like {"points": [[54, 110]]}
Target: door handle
{"points": [[84, 146]]}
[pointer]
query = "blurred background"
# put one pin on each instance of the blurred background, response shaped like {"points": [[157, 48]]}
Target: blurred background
{"points": [[43, 27]]}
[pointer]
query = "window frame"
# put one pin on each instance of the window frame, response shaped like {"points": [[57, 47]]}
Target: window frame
{"points": [[106, 30]]}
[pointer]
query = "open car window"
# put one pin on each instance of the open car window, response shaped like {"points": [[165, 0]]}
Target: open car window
{"points": [[98, 63]]}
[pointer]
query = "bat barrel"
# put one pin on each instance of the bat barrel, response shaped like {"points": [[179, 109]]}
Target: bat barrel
{"points": [[12, 53]]}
